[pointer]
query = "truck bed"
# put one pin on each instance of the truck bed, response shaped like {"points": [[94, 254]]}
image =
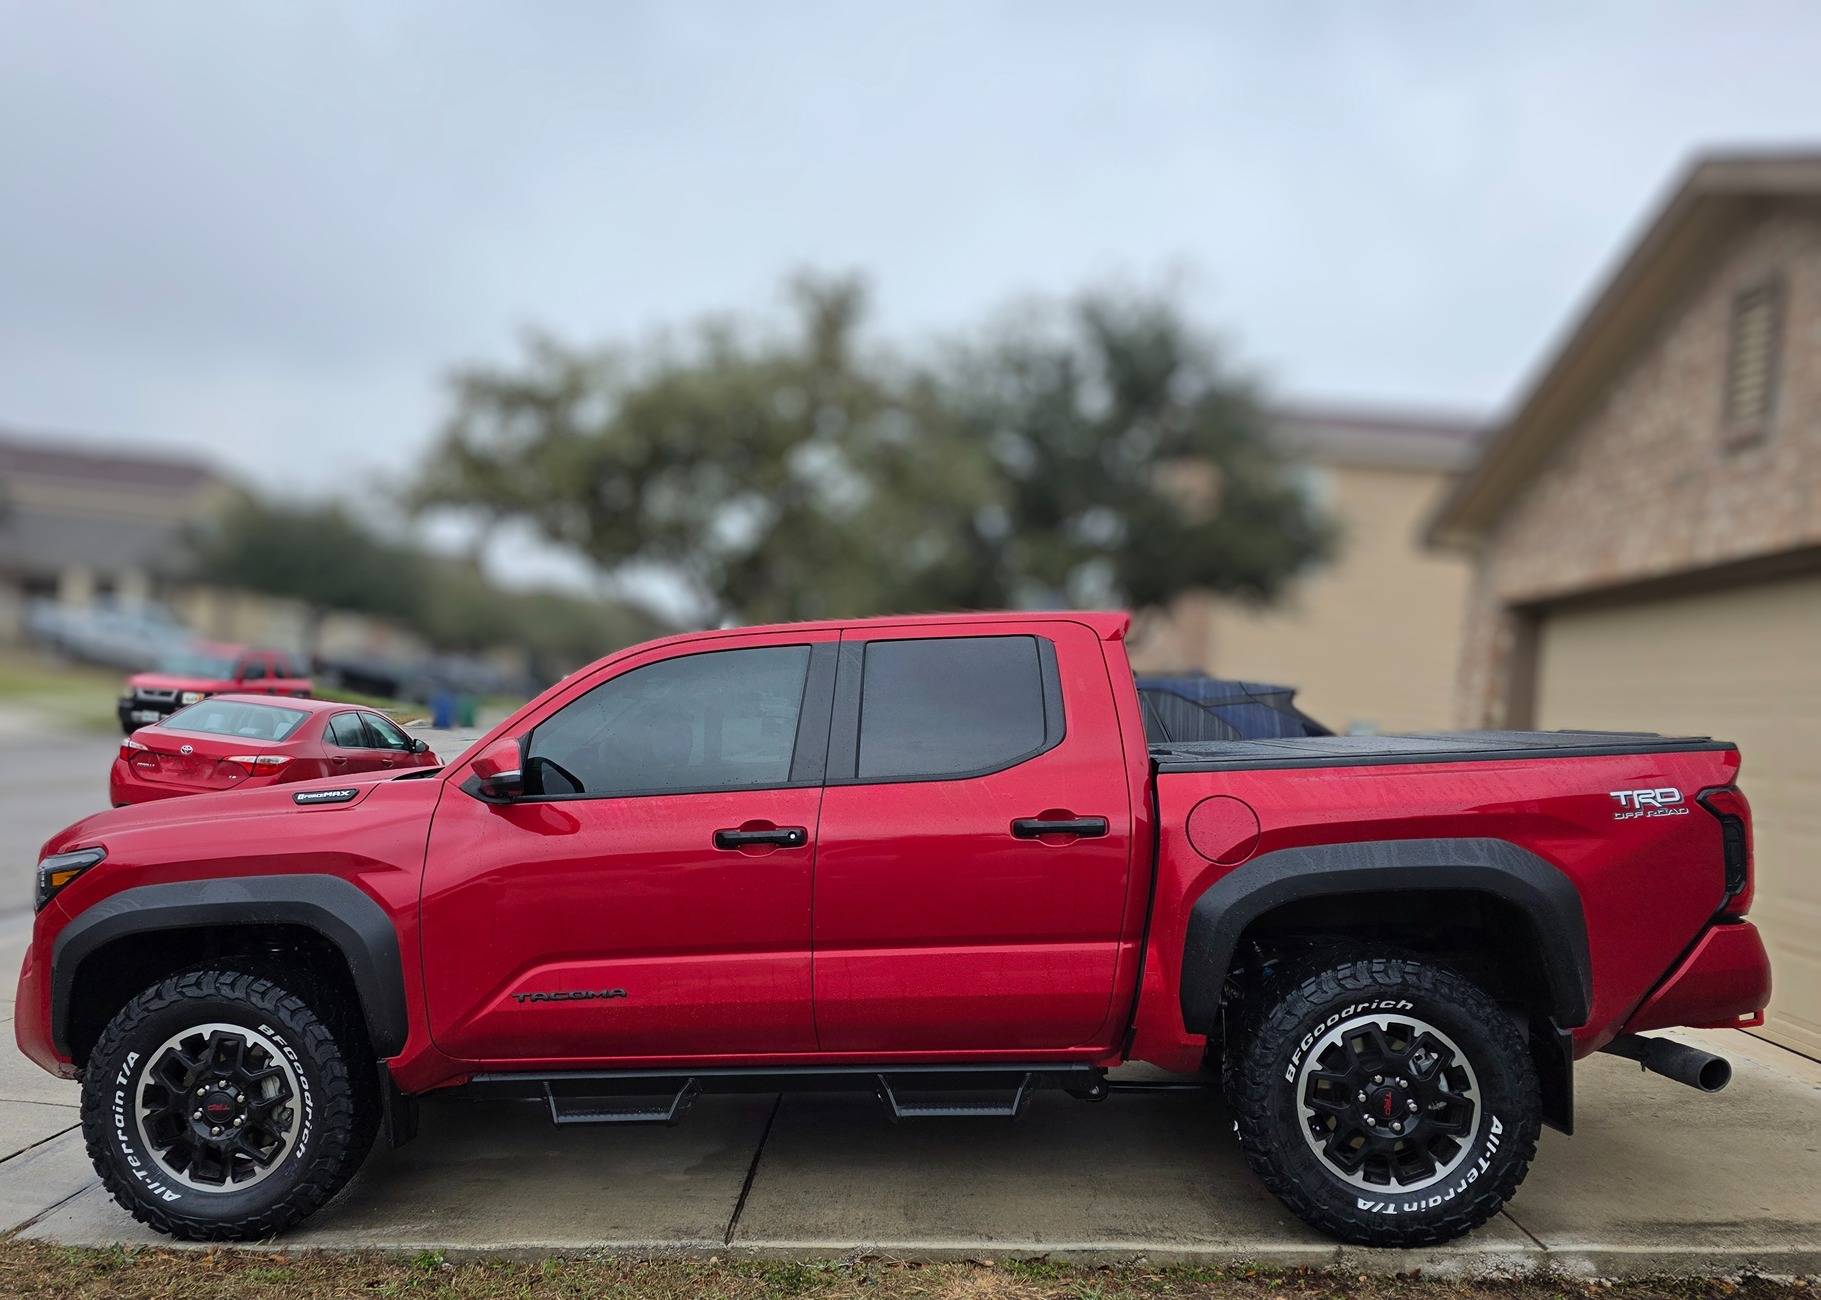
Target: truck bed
{"points": [[1416, 747]]}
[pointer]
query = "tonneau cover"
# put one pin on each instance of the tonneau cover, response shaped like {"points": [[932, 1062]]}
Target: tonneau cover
{"points": [[1417, 747]]}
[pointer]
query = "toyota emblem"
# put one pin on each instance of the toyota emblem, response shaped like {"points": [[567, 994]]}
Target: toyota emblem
{"points": [[186, 749]]}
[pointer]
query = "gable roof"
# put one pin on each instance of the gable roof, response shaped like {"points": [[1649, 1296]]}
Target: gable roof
{"points": [[1706, 206], [99, 466], [1376, 437]]}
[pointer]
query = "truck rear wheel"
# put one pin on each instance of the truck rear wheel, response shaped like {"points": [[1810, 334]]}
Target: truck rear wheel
{"points": [[1388, 1102], [217, 1106]]}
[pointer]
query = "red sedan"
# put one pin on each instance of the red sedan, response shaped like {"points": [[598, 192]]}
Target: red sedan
{"points": [[233, 742]]}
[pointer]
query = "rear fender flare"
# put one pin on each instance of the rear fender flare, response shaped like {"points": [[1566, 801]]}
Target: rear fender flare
{"points": [[1495, 867], [338, 910]]}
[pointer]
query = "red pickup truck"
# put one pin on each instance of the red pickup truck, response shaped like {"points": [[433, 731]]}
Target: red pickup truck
{"points": [[186, 676], [930, 857]]}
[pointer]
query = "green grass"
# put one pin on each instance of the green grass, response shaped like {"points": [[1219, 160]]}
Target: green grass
{"points": [[64, 694], [33, 1269]]}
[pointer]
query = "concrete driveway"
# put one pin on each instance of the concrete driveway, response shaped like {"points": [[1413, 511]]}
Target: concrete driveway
{"points": [[1659, 1178]]}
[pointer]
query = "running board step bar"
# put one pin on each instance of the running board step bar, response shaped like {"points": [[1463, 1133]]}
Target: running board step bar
{"points": [[940, 1105], [620, 1110], [908, 1092]]}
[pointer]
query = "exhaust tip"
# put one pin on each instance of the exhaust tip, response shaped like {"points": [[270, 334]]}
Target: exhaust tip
{"points": [[1715, 1073]]}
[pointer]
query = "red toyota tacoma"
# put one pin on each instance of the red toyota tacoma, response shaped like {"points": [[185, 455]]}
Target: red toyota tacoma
{"points": [[930, 857]]}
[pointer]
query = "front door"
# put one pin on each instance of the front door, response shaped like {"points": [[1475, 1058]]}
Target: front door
{"points": [[648, 901], [973, 862]]}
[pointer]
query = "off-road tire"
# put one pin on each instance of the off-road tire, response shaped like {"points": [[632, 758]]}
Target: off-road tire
{"points": [[338, 1106], [1289, 1018]]}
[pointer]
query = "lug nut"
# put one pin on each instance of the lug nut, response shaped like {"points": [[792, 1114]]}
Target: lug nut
{"points": [[1370, 1122], [237, 1123], [1378, 1078], [1397, 1126], [1361, 1097], [196, 1114], [202, 1092], [215, 1131], [240, 1097], [1412, 1106]]}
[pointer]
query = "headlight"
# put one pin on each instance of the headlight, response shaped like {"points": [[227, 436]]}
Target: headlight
{"points": [[189, 697], [59, 869]]}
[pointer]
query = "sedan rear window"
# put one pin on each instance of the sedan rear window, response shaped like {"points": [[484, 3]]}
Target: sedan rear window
{"points": [[228, 718]]}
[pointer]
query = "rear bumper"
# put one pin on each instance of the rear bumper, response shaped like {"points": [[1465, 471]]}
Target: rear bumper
{"points": [[124, 786], [1723, 983]]}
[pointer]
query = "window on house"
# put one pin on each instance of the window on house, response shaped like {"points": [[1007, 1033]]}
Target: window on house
{"points": [[1751, 363]]}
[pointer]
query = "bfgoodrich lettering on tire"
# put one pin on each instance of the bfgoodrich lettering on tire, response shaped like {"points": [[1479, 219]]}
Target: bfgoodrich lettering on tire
{"points": [[1388, 1102], [217, 1106]]}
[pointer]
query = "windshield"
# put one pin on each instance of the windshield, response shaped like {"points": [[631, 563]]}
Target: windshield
{"points": [[196, 663], [230, 718]]}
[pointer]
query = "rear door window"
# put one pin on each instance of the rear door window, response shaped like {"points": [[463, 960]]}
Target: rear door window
{"points": [[347, 731], [954, 706]]}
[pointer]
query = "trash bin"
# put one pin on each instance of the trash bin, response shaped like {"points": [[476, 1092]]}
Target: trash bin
{"points": [[465, 708], [442, 709]]}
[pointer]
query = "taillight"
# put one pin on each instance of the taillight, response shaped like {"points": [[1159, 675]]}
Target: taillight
{"points": [[1734, 813], [128, 748], [259, 764]]}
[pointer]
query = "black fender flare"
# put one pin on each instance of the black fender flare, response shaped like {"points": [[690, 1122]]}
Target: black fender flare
{"points": [[1496, 867], [336, 909]]}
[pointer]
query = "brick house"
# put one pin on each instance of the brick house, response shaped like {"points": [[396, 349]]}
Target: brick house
{"points": [[1370, 639], [1646, 526]]}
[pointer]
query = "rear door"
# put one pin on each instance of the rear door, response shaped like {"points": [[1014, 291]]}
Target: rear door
{"points": [[973, 859], [254, 675]]}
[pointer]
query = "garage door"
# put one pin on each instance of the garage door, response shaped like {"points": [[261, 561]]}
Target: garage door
{"points": [[1744, 665]]}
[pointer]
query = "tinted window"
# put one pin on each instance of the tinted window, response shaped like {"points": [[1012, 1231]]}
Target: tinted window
{"points": [[347, 731], [720, 721], [385, 733], [949, 706], [224, 718], [252, 670]]}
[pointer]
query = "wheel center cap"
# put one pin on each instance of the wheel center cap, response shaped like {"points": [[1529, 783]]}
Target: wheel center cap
{"points": [[1385, 1104], [219, 1108]]}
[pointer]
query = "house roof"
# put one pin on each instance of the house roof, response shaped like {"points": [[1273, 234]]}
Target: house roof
{"points": [[23, 456], [1377, 437], [1704, 207]]}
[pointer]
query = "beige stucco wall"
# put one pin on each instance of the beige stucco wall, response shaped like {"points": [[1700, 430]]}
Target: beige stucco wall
{"points": [[1371, 639], [1645, 485]]}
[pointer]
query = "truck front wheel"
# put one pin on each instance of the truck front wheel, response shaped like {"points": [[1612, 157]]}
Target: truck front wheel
{"points": [[1386, 1101], [217, 1106]]}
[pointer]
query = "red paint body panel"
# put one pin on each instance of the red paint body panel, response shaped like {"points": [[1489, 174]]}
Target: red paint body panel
{"points": [[911, 926], [1723, 983], [937, 930]]}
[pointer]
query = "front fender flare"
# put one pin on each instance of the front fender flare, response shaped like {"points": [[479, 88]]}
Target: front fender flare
{"points": [[1484, 866], [334, 908]]}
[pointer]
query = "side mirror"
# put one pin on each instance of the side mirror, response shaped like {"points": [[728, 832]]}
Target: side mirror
{"points": [[498, 771], [420, 746]]}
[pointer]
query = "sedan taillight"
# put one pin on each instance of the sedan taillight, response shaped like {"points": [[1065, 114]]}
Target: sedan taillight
{"points": [[128, 748], [259, 764]]}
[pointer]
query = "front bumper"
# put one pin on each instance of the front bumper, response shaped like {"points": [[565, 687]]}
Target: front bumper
{"points": [[134, 712], [1723, 983], [32, 1015]]}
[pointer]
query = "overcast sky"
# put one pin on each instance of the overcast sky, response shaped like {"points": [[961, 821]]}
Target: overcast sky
{"points": [[263, 231]]}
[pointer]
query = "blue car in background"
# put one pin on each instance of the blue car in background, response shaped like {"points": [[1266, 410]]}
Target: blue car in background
{"points": [[1187, 707]]}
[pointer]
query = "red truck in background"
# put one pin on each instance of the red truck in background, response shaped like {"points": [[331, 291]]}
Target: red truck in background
{"points": [[206, 669], [932, 857]]}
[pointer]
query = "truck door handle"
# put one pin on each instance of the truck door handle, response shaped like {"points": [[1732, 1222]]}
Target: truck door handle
{"points": [[1030, 828], [785, 837]]}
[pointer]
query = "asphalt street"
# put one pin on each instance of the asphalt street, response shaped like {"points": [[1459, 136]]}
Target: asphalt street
{"points": [[1658, 1178]]}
